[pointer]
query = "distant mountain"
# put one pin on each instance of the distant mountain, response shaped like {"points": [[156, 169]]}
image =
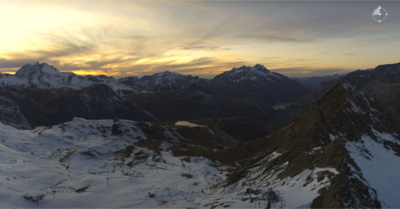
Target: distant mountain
{"points": [[314, 82], [258, 82], [245, 91], [200, 102], [59, 96], [258, 73], [40, 107], [98, 101], [159, 82], [45, 76]]}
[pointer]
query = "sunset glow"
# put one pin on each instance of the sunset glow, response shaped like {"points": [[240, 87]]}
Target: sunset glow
{"points": [[124, 38]]}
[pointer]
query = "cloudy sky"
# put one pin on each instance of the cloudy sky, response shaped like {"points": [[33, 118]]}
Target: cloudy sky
{"points": [[122, 37]]}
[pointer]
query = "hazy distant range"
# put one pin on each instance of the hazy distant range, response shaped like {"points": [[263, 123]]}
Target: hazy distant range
{"points": [[314, 82]]}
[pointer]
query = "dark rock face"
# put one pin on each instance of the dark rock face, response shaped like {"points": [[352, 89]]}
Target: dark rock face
{"points": [[244, 92], [292, 110], [383, 85], [240, 128], [98, 101], [160, 82], [244, 129], [41, 107], [200, 102], [10, 114]]}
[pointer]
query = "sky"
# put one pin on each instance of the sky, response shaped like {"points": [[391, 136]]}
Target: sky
{"points": [[122, 38]]}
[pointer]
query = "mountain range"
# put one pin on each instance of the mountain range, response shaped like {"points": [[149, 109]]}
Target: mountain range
{"points": [[49, 97], [314, 82], [175, 141]]}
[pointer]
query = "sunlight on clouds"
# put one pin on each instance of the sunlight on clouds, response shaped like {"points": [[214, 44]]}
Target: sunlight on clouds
{"points": [[122, 38], [8, 70], [94, 72]]}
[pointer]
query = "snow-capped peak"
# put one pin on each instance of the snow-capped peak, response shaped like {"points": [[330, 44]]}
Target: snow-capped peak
{"points": [[163, 75], [260, 68], [166, 73], [46, 68], [29, 70], [256, 73]]}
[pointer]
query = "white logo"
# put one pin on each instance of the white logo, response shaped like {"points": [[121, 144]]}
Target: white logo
{"points": [[377, 14]]}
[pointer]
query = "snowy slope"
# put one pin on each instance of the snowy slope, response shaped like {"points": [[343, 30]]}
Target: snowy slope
{"points": [[82, 164], [298, 191], [375, 152], [379, 168]]}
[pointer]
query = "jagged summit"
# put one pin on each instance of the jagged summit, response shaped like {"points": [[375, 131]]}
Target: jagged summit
{"points": [[165, 74], [29, 71], [44, 76], [165, 77], [248, 73], [388, 69], [385, 73]]}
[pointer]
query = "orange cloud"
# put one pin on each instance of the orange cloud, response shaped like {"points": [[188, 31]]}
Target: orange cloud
{"points": [[93, 72]]}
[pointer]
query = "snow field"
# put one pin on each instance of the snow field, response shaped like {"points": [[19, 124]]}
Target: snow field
{"points": [[76, 165]]}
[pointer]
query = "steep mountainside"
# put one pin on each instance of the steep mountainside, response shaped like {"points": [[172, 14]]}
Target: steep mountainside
{"points": [[314, 82], [98, 101], [339, 152], [382, 84], [341, 144], [292, 110], [10, 114]]}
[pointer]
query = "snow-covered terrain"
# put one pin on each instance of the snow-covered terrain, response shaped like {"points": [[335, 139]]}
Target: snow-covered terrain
{"points": [[82, 164], [379, 167], [298, 191]]}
